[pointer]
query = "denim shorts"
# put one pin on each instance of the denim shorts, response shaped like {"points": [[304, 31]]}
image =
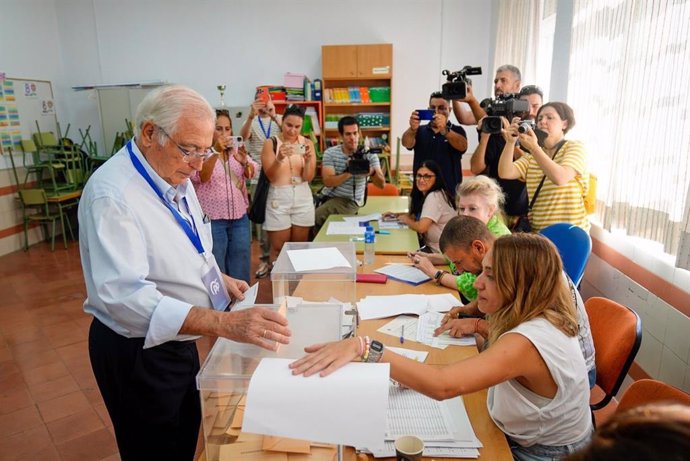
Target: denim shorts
{"points": [[545, 453]]}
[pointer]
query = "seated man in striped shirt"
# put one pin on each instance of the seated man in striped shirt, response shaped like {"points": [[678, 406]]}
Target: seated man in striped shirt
{"points": [[344, 191]]}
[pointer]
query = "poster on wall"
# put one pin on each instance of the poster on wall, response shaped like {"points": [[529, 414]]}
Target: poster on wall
{"points": [[30, 90], [8, 89], [47, 107]]}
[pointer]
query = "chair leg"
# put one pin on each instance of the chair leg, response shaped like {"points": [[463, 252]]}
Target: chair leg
{"points": [[64, 233], [52, 238], [26, 234]]}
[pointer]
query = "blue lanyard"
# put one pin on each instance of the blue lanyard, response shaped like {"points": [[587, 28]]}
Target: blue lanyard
{"points": [[263, 130], [191, 232]]}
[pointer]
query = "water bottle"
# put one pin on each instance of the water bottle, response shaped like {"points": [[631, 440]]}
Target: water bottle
{"points": [[369, 243]]}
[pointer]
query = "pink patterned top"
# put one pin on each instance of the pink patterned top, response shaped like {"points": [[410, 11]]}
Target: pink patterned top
{"points": [[224, 196]]}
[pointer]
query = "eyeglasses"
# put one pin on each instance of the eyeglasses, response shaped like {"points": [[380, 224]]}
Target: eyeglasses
{"points": [[425, 177], [189, 155]]}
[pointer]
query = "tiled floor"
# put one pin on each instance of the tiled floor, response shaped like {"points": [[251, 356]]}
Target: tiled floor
{"points": [[50, 406]]}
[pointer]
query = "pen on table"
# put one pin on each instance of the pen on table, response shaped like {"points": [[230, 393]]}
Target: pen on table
{"points": [[383, 232], [402, 334]]}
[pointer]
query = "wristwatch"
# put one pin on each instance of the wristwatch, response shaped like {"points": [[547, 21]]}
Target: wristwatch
{"points": [[438, 275], [375, 352]]}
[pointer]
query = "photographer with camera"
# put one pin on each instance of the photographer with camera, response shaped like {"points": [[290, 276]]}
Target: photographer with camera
{"points": [[439, 140], [555, 170], [488, 152], [345, 170]]}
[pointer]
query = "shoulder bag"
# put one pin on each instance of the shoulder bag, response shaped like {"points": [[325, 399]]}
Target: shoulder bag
{"points": [[257, 211]]}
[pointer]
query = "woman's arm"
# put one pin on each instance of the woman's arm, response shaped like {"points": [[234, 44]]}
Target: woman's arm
{"points": [[558, 174], [270, 161], [420, 226], [207, 168], [309, 168], [510, 357], [506, 169]]}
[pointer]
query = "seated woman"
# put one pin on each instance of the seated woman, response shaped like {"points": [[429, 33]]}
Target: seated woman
{"points": [[431, 207], [559, 165], [533, 367], [222, 190], [289, 162], [482, 198]]}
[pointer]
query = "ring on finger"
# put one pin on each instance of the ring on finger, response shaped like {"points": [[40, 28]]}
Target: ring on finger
{"points": [[265, 333]]}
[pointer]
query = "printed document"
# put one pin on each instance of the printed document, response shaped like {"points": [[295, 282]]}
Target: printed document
{"points": [[314, 259]]}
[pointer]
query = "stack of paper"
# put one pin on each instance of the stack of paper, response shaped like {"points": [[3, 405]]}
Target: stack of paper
{"points": [[404, 273], [422, 331], [444, 427]]}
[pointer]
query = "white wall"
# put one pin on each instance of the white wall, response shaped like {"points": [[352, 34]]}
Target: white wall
{"points": [[248, 42]]}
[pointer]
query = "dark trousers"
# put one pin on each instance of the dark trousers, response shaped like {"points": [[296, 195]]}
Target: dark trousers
{"points": [[150, 394]]}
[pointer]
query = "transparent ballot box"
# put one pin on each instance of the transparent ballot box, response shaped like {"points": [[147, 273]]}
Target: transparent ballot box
{"points": [[223, 382], [293, 281]]}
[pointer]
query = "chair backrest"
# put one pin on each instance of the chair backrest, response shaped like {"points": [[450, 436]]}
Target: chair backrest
{"points": [[388, 189], [45, 139], [617, 334], [574, 246], [650, 390], [33, 197]]}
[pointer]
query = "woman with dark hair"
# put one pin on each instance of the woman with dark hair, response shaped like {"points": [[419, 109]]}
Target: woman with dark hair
{"points": [[431, 206], [533, 367], [561, 164], [222, 190], [289, 162]]}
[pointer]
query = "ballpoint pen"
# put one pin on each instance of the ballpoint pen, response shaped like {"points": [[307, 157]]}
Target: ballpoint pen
{"points": [[402, 335], [383, 232]]}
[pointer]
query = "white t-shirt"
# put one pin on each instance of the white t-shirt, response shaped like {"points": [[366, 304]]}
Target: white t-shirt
{"points": [[440, 212], [563, 420]]}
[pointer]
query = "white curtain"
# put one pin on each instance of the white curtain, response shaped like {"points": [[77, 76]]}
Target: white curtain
{"points": [[629, 86], [517, 40]]}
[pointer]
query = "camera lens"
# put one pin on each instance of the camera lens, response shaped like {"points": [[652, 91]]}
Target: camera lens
{"points": [[524, 127]]}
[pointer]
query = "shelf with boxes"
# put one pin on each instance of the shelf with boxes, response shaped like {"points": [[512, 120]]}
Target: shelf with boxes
{"points": [[357, 81]]}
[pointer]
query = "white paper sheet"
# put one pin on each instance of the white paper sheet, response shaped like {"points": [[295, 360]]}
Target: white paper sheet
{"points": [[249, 298], [442, 302], [428, 322], [365, 218], [394, 327], [312, 259], [344, 228], [419, 356], [404, 273], [378, 307], [279, 403]]}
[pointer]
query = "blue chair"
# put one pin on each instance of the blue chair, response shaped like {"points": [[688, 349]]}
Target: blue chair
{"points": [[574, 245]]}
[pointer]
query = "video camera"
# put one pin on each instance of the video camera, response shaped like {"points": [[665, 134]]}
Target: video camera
{"points": [[456, 88], [507, 105], [359, 163]]}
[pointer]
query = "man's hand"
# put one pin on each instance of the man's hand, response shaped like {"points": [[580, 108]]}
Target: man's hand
{"points": [[424, 264], [414, 121], [256, 325], [439, 122], [236, 288]]}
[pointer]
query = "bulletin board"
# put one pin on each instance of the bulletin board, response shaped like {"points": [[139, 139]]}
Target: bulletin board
{"points": [[22, 103]]}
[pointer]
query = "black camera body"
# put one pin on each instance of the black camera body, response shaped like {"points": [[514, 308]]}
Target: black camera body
{"points": [[506, 105], [456, 87], [359, 163]]}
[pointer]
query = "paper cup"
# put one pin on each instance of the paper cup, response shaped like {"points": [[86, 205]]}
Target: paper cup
{"points": [[409, 448]]}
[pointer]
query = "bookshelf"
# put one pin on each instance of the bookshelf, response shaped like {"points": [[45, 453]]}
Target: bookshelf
{"points": [[316, 105], [357, 81]]}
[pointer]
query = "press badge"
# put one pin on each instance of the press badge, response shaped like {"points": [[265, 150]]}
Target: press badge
{"points": [[213, 281]]}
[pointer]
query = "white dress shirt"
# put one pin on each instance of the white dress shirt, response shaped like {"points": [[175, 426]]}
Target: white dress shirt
{"points": [[142, 272]]}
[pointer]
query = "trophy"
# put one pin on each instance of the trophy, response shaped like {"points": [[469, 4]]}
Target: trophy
{"points": [[221, 89]]}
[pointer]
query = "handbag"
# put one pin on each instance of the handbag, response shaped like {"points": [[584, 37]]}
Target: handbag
{"points": [[257, 211], [523, 223]]}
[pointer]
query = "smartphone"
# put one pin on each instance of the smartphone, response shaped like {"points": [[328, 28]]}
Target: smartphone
{"points": [[262, 95], [300, 149], [237, 141], [425, 114]]}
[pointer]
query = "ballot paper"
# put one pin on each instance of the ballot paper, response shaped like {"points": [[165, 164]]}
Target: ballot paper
{"points": [[428, 322], [282, 404], [361, 219], [249, 299], [404, 273], [314, 259], [419, 356], [377, 307]]}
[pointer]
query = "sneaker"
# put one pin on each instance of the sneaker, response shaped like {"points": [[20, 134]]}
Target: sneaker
{"points": [[263, 270]]}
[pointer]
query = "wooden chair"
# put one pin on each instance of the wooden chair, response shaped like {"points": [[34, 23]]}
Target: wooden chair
{"points": [[646, 391], [388, 190], [617, 334], [573, 244]]}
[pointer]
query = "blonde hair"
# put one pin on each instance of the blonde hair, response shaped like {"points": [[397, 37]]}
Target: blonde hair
{"points": [[529, 276], [487, 188]]}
